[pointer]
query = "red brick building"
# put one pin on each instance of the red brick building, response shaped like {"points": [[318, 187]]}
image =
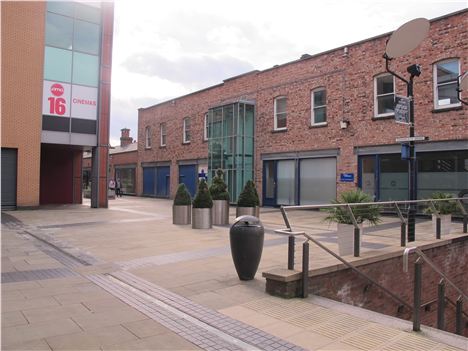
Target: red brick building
{"points": [[321, 124], [56, 70]]}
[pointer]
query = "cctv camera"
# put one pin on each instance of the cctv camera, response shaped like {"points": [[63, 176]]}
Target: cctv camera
{"points": [[414, 70]]}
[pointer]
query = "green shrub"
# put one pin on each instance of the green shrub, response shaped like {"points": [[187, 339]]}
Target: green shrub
{"points": [[203, 197], [443, 207], [182, 196], [370, 213], [249, 196], [218, 188]]}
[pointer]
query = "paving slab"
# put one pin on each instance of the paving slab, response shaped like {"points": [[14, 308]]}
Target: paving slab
{"points": [[135, 235]]}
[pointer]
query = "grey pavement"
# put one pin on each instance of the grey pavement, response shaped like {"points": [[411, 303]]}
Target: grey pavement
{"points": [[126, 278]]}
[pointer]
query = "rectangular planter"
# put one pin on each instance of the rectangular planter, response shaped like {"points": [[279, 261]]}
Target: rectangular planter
{"points": [[345, 235], [445, 224]]}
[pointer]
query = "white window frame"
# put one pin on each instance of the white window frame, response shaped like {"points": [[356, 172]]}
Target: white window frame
{"points": [[163, 131], [185, 130], [205, 130], [313, 107], [276, 114], [436, 86], [376, 100], [147, 137]]}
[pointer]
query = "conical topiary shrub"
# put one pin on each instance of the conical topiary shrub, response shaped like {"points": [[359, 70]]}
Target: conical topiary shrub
{"points": [[218, 190], [201, 207], [182, 208], [203, 197], [182, 196], [248, 202]]}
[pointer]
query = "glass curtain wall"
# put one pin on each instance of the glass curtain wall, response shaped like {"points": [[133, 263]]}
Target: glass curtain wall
{"points": [[231, 144]]}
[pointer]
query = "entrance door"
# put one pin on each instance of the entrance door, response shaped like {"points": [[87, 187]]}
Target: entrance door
{"points": [[9, 159], [188, 176], [269, 183], [162, 181], [149, 175]]}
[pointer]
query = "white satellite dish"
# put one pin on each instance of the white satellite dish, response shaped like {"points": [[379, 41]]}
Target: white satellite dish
{"points": [[407, 38], [464, 82]]}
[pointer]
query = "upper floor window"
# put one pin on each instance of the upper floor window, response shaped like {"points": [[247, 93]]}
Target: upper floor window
{"points": [[319, 106], [384, 93], [147, 137], [205, 129], [162, 127], [187, 130], [445, 83], [280, 112]]}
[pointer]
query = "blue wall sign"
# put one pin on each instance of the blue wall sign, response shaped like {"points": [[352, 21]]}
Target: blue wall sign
{"points": [[347, 177]]}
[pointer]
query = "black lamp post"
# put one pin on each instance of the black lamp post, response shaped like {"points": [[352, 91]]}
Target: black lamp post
{"points": [[403, 40]]}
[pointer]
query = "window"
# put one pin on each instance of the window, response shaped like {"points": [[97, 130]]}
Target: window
{"points": [[86, 37], [319, 106], [163, 134], [58, 64], [445, 83], [280, 112], [59, 31], [384, 92], [85, 69], [205, 130], [187, 130], [147, 138]]}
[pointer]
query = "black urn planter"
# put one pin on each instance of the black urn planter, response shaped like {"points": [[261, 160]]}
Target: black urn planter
{"points": [[246, 237]]}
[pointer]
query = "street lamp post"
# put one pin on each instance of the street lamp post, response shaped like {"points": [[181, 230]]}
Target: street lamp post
{"points": [[404, 40]]}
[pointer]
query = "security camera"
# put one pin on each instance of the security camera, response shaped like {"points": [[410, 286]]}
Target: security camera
{"points": [[414, 70]]}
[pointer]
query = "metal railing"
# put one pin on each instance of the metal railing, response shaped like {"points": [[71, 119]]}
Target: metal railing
{"points": [[418, 269]]}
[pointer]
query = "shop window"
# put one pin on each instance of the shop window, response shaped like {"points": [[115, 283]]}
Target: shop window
{"points": [[280, 113], [319, 106], [58, 64], [384, 92], [147, 138], [85, 69], [86, 37], [445, 83], [163, 133], [186, 131], [59, 31]]}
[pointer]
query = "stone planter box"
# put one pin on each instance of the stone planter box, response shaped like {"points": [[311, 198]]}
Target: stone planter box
{"points": [[220, 212], [201, 218], [181, 214], [345, 235], [445, 224], [250, 211]]}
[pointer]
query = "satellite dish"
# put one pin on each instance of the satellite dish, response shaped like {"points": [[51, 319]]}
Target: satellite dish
{"points": [[464, 82], [407, 38]]}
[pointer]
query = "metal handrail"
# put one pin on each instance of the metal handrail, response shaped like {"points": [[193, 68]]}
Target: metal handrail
{"points": [[348, 264], [421, 254]]}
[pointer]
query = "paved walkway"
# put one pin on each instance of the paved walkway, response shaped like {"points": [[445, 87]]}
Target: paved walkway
{"points": [[125, 278]]}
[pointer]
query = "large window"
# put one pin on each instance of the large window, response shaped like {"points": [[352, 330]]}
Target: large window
{"points": [[186, 131], [319, 106], [280, 112], [445, 83], [147, 137], [163, 134], [384, 93]]}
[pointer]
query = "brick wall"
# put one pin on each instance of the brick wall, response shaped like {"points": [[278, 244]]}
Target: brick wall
{"points": [[351, 288], [349, 81], [23, 42]]}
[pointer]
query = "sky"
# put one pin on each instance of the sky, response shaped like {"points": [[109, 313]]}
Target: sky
{"points": [[164, 49]]}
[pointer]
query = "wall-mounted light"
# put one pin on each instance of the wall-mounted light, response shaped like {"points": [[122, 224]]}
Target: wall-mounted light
{"points": [[344, 123]]}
